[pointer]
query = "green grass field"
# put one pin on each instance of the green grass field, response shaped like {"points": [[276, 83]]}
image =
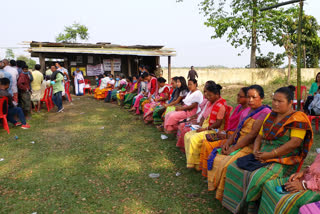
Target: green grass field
{"points": [[75, 166]]}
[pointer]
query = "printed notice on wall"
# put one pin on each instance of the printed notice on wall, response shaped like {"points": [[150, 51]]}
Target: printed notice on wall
{"points": [[94, 70], [116, 64]]}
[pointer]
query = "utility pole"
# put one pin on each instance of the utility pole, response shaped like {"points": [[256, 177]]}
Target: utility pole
{"points": [[298, 45]]}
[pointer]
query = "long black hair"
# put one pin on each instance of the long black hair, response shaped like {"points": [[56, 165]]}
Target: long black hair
{"points": [[184, 85]]}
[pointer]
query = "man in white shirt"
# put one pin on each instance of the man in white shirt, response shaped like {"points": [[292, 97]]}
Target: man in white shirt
{"points": [[12, 69]]}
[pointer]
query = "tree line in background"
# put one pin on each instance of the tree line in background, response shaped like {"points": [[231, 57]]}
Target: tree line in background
{"points": [[244, 25], [10, 55]]}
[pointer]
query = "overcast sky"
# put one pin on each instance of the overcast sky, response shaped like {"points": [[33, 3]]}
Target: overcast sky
{"points": [[128, 22]]}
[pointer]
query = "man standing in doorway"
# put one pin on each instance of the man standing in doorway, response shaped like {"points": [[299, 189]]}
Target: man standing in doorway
{"points": [[192, 74], [56, 82]]}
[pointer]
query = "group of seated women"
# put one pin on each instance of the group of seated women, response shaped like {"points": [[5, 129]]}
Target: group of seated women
{"points": [[250, 156]]}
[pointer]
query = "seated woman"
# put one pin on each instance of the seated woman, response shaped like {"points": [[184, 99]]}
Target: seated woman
{"points": [[196, 119], [191, 107], [302, 188], [124, 91], [113, 93], [283, 142], [312, 91], [180, 94], [314, 107], [143, 92], [213, 120], [213, 141], [134, 90], [153, 91], [160, 109], [106, 85], [156, 100], [121, 87], [240, 143]]}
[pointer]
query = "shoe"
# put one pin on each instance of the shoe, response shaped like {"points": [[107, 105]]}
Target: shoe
{"points": [[27, 126], [17, 124], [61, 110]]}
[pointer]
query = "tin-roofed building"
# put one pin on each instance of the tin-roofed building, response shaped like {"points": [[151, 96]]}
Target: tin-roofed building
{"points": [[98, 58]]}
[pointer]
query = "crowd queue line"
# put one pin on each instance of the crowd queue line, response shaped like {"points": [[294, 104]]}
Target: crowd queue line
{"points": [[251, 155]]}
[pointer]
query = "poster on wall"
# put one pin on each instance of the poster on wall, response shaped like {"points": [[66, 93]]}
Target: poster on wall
{"points": [[94, 70], [116, 64], [83, 69]]}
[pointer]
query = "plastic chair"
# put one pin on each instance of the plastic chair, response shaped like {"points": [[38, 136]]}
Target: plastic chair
{"points": [[87, 87], [46, 98], [4, 113], [316, 121], [50, 97], [67, 90], [303, 90]]}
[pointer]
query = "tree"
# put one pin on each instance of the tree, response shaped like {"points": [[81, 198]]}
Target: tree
{"points": [[242, 22], [9, 54], [269, 61], [289, 51], [30, 62], [310, 40], [73, 32]]}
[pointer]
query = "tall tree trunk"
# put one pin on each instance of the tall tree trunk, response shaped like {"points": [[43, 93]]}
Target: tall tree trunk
{"points": [[289, 69], [254, 35], [304, 56]]}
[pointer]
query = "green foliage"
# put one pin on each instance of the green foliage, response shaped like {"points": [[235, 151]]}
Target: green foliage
{"points": [[310, 40], [270, 60], [30, 62], [236, 21], [9, 54], [73, 33]]}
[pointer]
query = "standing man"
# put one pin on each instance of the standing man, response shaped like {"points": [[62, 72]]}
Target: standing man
{"points": [[4, 74], [36, 86], [192, 74], [11, 68], [57, 83]]}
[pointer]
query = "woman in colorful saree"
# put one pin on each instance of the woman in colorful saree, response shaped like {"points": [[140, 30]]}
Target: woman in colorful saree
{"points": [[212, 142], [210, 122], [106, 85], [283, 142], [134, 90], [191, 107], [176, 100], [153, 91], [302, 188], [124, 91], [160, 109], [156, 100], [143, 93], [196, 119], [241, 142]]}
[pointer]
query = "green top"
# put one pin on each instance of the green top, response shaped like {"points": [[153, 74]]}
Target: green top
{"points": [[313, 89], [58, 86]]}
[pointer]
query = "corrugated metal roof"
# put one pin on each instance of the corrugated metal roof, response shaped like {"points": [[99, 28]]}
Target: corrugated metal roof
{"points": [[107, 51], [100, 48]]}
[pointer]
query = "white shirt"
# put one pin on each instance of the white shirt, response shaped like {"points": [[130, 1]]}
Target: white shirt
{"points": [[195, 97], [15, 75]]}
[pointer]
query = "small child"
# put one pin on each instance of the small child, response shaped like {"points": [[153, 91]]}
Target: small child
{"points": [[314, 107]]}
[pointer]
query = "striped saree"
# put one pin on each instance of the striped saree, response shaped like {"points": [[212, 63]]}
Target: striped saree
{"points": [[243, 189], [273, 202]]}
